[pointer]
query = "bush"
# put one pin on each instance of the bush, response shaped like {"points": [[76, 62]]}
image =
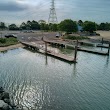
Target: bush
{"points": [[75, 37], [2, 40], [8, 41]]}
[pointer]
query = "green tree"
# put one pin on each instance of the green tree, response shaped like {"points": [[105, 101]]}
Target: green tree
{"points": [[41, 21], [89, 26], [23, 26], [28, 25], [13, 27], [80, 22], [44, 26], [104, 26], [34, 25], [2, 25], [68, 26], [53, 27]]}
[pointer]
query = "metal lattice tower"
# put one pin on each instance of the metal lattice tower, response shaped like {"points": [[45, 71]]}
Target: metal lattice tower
{"points": [[52, 16]]}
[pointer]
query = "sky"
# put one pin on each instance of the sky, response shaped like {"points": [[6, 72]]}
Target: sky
{"points": [[17, 11]]}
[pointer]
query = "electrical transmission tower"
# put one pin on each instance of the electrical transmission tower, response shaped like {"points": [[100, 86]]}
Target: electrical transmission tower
{"points": [[52, 16]]}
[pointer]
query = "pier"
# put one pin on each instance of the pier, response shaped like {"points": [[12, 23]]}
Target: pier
{"points": [[79, 48], [93, 51], [43, 47]]}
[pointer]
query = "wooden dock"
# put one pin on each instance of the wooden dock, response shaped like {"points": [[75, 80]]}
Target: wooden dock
{"points": [[93, 51], [48, 52], [80, 48], [102, 46], [59, 43], [61, 56]]}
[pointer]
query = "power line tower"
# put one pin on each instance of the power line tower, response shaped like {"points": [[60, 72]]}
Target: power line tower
{"points": [[52, 16]]}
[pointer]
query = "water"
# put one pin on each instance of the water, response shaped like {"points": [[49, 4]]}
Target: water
{"points": [[45, 83]]}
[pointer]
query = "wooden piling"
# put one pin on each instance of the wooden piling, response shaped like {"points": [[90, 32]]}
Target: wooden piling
{"points": [[46, 47], [109, 49], [102, 41], [75, 56]]}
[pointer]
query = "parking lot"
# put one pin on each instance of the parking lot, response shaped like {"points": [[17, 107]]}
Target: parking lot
{"points": [[29, 36]]}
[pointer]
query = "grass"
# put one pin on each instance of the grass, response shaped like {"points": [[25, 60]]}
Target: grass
{"points": [[75, 37], [8, 41]]}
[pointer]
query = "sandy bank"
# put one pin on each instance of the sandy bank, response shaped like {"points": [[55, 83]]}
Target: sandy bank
{"points": [[104, 34], [11, 47]]}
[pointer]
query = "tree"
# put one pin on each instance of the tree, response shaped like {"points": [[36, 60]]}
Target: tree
{"points": [[2, 25], [34, 25], [80, 23], [89, 26], [104, 26], [13, 27], [68, 26], [23, 26], [53, 27], [28, 25], [41, 21], [44, 26]]}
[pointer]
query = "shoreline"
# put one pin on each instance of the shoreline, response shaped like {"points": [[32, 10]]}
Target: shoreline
{"points": [[11, 47]]}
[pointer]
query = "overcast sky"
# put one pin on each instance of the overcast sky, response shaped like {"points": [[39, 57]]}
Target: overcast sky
{"points": [[17, 11]]}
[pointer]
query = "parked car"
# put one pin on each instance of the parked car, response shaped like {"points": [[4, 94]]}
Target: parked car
{"points": [[11, 36], [58, 35]]}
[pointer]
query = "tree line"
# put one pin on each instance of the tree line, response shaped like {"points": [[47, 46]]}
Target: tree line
{"points": [[66, 25]]}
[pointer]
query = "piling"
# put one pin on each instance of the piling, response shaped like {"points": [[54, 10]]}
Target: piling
{"points": [[102, 41], [75, 56], [109, 49], [46, 47]]}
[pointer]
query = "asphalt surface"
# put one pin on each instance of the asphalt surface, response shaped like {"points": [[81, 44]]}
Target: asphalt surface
{"points": [[32, 36]]}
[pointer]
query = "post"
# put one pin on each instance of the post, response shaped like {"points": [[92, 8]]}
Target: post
{"points": [[45, 47], [102, 41], [109, 49], [75, 56]]}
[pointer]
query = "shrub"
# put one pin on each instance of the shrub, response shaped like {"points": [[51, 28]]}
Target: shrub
{"points": [[75, 37], [2, 40]]}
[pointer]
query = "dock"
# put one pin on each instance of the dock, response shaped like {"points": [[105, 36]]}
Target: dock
{"points": [[93, 51], [103, 46], [79, 48], [61, 56], [59, 43], [48, 52]]}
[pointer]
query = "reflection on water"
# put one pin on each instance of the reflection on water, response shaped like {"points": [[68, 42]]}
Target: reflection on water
{"points": [[40, 82]]}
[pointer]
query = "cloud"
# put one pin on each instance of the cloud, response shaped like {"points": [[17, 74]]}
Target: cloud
{"points": [[23, 10], [11, 5]]}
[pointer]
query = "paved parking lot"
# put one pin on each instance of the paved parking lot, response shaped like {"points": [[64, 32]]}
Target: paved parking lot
{"points": [[32, 36]]}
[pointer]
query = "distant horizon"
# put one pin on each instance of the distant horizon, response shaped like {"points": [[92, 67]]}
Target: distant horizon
{"points": [[18, 11]]}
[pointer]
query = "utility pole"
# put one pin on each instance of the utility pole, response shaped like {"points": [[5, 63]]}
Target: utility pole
{"points": [[52, 16]]}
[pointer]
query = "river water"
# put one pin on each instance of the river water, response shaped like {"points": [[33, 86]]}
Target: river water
{"points": [[39, 82]]}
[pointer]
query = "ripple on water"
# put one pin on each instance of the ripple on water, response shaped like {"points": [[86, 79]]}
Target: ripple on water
{"points": [[45, 83]]}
